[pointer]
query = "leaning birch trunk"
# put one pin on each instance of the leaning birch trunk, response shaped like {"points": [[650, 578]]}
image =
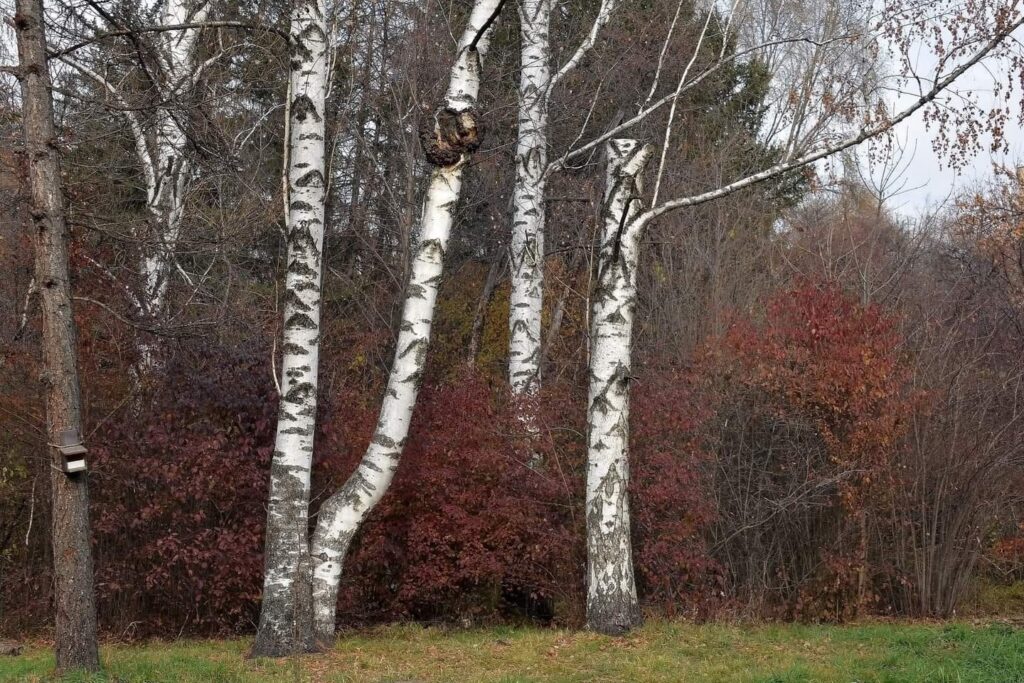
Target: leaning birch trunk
{"points": [[448, 144], [74, 601], [286, 615], [527, 252], [612, 605]]}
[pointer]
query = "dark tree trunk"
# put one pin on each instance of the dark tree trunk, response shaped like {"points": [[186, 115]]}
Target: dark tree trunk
{"points": [[75, 604]]}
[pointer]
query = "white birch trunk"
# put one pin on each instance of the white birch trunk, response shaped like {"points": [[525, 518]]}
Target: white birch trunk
{"points": [[343, 513], [612, 605], [168, 163], [166, 192], [527, 252], [286, 615]]}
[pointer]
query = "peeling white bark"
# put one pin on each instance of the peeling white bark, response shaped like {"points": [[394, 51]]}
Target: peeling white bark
{"points": [[161, 148], [343, 513], [612, 605], [168, 160], [527, 245], [528, 220], [285, 618]]}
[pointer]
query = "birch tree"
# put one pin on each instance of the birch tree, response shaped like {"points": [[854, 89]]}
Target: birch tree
{"points": [[536, 83], [169, 64], [611, 592], [75, 624], [527, 244], [612, 605], [448, 143], [286, 617]]}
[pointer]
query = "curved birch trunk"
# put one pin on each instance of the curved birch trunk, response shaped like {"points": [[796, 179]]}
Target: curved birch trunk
{"points": [[286, 614], [612, 605], [343, 513], [527, 247]]}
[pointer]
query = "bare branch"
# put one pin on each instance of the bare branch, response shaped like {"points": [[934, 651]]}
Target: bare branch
{"points": [[161, 29], [866, 133], [604, 13], [561, 162], [487, 25]]}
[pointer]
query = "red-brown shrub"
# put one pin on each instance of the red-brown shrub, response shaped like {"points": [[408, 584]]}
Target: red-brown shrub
{"points": [[179, 487], [809, 406], [467, 529]]}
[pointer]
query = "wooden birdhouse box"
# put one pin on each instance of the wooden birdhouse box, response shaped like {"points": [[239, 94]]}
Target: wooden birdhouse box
{"points": [[72, 449]]}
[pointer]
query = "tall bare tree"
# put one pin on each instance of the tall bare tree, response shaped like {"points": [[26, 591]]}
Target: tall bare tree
{"points": [[75, 635]]}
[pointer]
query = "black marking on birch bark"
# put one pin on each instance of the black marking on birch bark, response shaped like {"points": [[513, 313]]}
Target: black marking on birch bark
{"points": [[293, 348], [297, 371], [310, 136], [383, 440], [349, 493], [413, 345], [300, 321], [300, 431], [312, 178], [302, 238], [302, 107], [300, 54], [300, 206], [299, 393], [615, 316], [415, 377], [370, 465], [297, 267], [406, 326], [292, 299], [600, 401], [416, 291], [432, 247], [312, 29]]}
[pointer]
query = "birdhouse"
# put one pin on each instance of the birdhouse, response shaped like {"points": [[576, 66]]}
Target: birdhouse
{"points": [[72, 449]]}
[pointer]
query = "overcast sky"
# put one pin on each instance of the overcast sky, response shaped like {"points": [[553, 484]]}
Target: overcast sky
{"points": [[927, 180]]}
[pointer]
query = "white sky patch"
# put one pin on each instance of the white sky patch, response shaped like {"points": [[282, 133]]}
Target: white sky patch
{"points": [[925, 181]]}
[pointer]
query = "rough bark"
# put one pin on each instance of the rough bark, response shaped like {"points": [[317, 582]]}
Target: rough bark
{"points": [[343, 513], [75, 635], [286, 614], [612, 605]]}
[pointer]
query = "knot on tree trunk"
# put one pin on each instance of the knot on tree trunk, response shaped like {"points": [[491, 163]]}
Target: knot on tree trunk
{"points": [[447, 134]]}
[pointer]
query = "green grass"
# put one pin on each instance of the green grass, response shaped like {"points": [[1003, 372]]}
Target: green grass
{"points": [[661, 651]]}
